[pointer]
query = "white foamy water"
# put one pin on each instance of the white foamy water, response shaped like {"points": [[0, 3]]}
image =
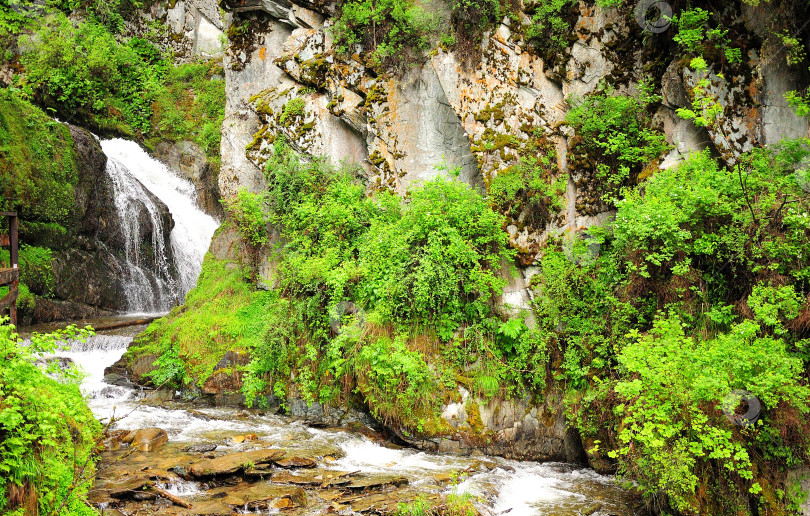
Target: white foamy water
{"points": [[193, 228], [503, 486]]}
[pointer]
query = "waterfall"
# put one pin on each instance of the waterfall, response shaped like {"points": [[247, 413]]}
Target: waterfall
{"points": [[158, 285]]}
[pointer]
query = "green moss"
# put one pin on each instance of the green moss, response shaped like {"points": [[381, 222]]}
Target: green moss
{"points": [[222, 313], [314, 72], [38, 168], [294, 109]]}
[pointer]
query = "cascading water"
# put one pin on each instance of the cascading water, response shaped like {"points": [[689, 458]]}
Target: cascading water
{"points": [[156, 286]]}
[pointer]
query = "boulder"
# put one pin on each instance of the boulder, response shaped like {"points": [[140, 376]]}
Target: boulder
{"points": [[146, 439]]}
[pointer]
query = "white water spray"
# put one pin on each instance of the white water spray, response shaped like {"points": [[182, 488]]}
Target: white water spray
{"points": [[133, 172]]}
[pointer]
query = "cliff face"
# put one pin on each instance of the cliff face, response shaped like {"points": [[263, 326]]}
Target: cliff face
{"points": [[480, 114]]}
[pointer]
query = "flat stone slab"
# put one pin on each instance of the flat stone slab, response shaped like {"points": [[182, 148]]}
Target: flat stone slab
{"points": [[206, 508], [229, 464], [376, 482], [295, 462], [313, 478], [260, 496]]}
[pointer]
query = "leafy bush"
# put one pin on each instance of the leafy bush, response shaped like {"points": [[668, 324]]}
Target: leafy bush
{"points": [[81, 69], [438, 261], [674, 394], [391, 31], [697, 289], [551, 30], [615, 132], [420, 270], [694, 34], [247, 212], [190, 105], [47, 432], [530, 187], [733, 225]]}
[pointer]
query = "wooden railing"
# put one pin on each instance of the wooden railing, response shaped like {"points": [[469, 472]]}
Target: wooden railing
{"points": [[10, 276]]}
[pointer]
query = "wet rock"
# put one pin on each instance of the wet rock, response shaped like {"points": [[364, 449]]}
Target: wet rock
{"points": [[229, 464], [146, 439], [204, 508], [126, 487], [379, 503], [260, 496], [200, 448], [200, 415], [314, 478], [111, 444], [296, 462], [189, 160], [376, 482], [141, 366]]}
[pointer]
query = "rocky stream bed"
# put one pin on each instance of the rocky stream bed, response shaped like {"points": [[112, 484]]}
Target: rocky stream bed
{"points": [[176, 458]]}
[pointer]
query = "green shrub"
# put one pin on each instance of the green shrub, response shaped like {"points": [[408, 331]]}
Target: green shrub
{"points": [[80, 68], [674, 394], [190, 106], [698, 289], [47, 432], [551, 30], [390, 31], [247, 212], [421, 270], [615, 133]]}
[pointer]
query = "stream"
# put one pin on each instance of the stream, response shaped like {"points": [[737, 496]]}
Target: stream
{"points": [[499, 486]]}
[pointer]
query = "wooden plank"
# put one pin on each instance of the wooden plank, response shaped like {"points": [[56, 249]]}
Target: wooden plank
{"points": [[8, 213], [9, 276], [12, 233], [9, 298]]}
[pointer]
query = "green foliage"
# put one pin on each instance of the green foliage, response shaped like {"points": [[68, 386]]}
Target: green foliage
{"points": [[38, 167], [706, 109], [551, 30], [438, 261], [190, 106], [420, 270], [471, 18], [80, 68], [799, 102], [36, 273], [673, 394], [575, 302], [247, 212], [694, 34], [698, 289], [615, 132], [395, 380], [47, 432], [292, 110], [112, 13], [84, 73], [745, 222], [390, 31], [534, 186]]}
